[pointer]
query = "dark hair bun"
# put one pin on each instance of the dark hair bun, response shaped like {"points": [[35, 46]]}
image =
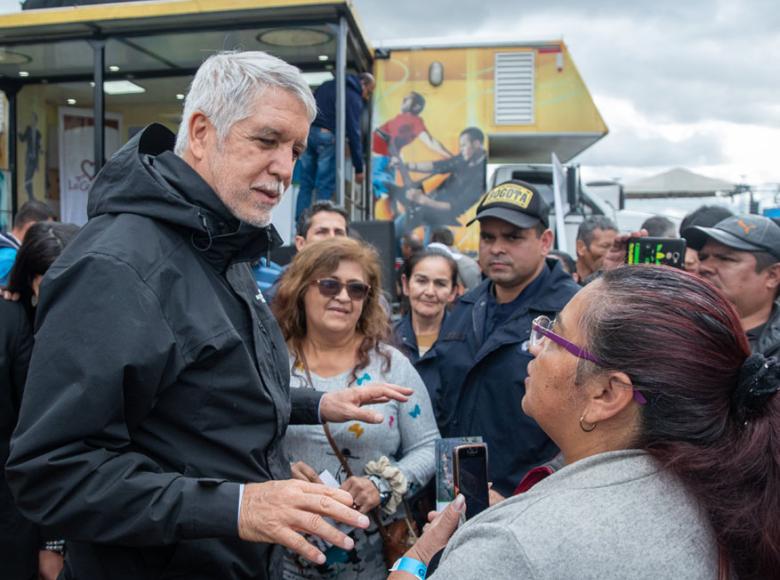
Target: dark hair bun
{"points": [[759, 379]]}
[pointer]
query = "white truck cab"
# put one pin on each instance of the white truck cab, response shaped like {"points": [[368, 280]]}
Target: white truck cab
{"points": [[582, 202]]}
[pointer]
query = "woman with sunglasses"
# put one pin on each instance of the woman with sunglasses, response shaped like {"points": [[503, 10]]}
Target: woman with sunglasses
{"points": [[429, 282], [336, 330], [670, 433], [23, 551]]}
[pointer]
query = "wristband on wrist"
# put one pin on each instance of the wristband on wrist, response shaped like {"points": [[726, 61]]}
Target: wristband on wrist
{"points": [[410, 566]]}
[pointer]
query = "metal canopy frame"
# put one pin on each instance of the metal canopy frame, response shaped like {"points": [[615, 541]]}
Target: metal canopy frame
{"points": [[101, 24]]}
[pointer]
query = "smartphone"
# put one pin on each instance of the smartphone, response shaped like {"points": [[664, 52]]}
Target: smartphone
{"points": [[471, 476], [658, 251]]}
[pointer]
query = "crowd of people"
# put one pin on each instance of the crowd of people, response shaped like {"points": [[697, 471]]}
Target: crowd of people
{"points": [[173, 409]]}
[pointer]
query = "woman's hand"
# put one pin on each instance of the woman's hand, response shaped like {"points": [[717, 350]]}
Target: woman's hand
{"points": [[617, 253], [493, 496], [364, 491], [304, 472], [438, 532], [345, 405]]}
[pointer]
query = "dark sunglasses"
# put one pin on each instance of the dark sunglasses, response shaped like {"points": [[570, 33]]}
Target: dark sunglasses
{"points": [[330, 287]]}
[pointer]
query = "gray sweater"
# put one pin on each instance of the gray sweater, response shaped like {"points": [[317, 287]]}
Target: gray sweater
{"points": [[406, 437], [613, 515]]}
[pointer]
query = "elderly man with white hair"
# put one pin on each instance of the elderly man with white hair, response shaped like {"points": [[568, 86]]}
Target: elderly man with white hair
{"points": [[150, 434]]}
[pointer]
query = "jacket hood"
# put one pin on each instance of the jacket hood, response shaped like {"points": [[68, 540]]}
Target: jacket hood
{"points": [[146, 178], [353, 82]]}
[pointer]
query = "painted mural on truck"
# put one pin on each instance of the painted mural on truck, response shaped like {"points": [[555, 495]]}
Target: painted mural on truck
{"points": [[435, 113]]}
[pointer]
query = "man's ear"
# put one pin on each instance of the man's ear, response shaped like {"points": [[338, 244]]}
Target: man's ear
{"points": [[300, 242], [199, 133], [547, 237], [581, 247], [773, 276], [609, 396]]}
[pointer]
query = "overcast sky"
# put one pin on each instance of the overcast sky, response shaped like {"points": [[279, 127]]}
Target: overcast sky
{"points": [[690, 83]]}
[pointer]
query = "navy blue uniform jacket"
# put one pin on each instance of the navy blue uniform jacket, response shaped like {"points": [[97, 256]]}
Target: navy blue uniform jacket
{"points": [[478, 386]]}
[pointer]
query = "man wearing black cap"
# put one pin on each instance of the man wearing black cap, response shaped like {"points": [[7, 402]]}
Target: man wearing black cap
{"points": [[741, 256], [477, 369]]}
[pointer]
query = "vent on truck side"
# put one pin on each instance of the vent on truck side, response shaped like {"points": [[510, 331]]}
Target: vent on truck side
{"points": [[514, 88]]}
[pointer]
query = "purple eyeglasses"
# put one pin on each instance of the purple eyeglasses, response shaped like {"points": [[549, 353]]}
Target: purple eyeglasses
{"points": [[541, 328]]}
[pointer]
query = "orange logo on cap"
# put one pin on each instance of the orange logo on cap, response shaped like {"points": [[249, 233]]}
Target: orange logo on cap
{"points": [[745, 228]]}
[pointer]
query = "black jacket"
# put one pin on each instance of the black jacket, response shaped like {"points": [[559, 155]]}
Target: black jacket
{"points": [[19, 538], [478, 384], [158, 383], [768, 342]]}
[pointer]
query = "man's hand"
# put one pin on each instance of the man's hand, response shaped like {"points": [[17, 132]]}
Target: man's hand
{"points": [[364, 491], [49, 565], [360, 177], [438, 532], [277, 512], [344, 405], [304, 472], [415, 195], [10, 296], [617, 253]]}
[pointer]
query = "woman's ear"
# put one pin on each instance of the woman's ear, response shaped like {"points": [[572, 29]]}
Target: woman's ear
{"points": [[453, 294], [609, 395], [405, 284]]}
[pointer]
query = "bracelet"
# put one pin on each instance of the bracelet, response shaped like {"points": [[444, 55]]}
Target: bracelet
{"points": [[410, 566], [385, 493]]}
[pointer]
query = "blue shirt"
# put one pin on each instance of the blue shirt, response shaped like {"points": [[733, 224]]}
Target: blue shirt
{"points": [[9, 246]]}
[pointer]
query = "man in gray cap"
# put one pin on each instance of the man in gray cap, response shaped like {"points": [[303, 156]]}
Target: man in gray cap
{"points": [[477, 368], [741, 257]]}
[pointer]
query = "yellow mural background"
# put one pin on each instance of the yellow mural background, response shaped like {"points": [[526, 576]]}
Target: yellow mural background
{"points": [[465, 98]]}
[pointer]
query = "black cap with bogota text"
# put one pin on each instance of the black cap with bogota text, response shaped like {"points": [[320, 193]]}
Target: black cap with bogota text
{"points": [[516, 202]]}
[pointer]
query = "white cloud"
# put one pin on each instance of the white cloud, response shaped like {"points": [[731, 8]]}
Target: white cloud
{"points": [[8, 6], [689, 83]]}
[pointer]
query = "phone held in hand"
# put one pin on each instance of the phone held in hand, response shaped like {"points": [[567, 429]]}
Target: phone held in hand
{"points": [[471, 476], [657, 251]]}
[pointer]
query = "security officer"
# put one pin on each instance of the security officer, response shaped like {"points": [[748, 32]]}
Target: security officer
{"points": [[477, 369]]}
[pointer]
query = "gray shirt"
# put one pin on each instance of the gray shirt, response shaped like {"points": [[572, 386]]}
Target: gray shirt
{"points": [[613, 515], [406, 437]]}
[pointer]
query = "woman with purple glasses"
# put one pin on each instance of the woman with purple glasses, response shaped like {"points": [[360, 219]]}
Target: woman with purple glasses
{"points": [[670, 434], [336, 330]]}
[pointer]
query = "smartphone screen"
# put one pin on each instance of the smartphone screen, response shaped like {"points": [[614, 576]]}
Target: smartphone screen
{"points": [[659, 251], [471, 477]]}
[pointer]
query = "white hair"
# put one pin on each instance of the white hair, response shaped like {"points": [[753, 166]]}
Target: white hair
{"points": [[227, 84]]}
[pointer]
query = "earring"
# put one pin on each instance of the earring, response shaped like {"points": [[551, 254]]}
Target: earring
{"points": [[34, 300], [590, 426]]}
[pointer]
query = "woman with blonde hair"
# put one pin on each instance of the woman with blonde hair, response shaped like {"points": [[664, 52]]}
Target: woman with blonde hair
{"points": [[328, 306]]}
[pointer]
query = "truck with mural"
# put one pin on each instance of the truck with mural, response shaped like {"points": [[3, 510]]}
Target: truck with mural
{"points": [[443, 114]]}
